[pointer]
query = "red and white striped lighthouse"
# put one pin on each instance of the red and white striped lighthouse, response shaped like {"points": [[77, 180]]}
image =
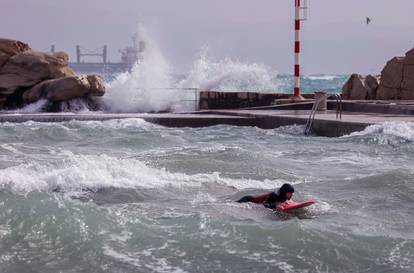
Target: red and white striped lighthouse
{"points": [[298, 18]]}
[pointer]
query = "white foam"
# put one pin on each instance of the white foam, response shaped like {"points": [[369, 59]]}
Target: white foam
{"points": [[150, 85], [229, 75], [73, 172], [321, 77], [73, 125], [386, 132], [37, 106], [144, 88]]}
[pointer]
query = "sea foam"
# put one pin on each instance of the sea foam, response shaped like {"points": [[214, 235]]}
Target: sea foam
{"points": [[387, 133], [73, 172]]}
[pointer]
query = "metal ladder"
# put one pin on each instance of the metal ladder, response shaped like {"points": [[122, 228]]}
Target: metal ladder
{"points": [[309, 122]]}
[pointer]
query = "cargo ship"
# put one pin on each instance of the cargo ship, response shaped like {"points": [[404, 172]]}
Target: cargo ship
{"points": [[130, 55]]}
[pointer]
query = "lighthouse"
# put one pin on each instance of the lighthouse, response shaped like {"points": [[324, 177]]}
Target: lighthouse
{"points": [[301, 8]]}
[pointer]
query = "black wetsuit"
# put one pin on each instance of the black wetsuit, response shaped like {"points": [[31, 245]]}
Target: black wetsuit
{"points": [[269, 200], [273, 199]]}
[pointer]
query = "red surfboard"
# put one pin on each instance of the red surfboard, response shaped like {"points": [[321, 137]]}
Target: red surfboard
{"points": [[291, 206]]}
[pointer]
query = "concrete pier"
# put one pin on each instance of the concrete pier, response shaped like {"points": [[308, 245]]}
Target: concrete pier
{"points": [[355, 117], [168, 119]]}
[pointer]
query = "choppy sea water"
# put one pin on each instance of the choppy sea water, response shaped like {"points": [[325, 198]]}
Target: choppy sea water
{"points": [[130, 196]]}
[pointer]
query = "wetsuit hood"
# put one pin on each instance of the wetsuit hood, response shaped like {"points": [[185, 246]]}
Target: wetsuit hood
{"points": [[285, 189]]}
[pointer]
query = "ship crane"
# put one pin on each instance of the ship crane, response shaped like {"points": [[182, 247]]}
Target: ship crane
{"points": [[91, 53]]}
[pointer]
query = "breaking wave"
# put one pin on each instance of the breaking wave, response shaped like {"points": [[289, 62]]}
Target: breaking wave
{"points": [[151, 85], [387, 133]]}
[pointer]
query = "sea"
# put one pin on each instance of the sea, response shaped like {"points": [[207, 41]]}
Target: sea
{"points": [[130, 196]]}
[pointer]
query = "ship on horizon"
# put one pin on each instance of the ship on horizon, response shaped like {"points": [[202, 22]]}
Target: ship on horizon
{"points": [[130, 55]]}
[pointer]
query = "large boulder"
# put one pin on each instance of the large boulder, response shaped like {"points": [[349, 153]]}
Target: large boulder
{"points": [[392, 80], [9, 48], [30, 67], [360, 88], [408, 79], [372, 84], [12, 47], [409, 57], [392, 74], [3, 100], [66, 88], [385, 93]]}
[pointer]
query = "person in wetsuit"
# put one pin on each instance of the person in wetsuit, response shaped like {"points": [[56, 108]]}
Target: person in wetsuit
{"points": [[273, 199]]}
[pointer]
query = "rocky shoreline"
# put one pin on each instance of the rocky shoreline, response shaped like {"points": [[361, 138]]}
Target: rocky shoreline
{"points": [[396, 82], [27, 76]]}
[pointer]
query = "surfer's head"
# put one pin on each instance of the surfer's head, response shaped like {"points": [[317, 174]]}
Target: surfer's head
{"points": [[286, 191]]}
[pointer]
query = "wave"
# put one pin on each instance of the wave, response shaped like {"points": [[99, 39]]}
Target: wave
{"points": [[152, 86], [321, 77], [386, 133], [229, 75], [72, 172]]}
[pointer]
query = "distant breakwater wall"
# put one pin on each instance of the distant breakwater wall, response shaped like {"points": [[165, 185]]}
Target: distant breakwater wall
{"points": [[237, 100]]}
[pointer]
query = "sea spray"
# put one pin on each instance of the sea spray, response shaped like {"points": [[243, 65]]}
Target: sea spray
{"points": [[151, 86], [228, 75], [146, 87], [37, 106]]}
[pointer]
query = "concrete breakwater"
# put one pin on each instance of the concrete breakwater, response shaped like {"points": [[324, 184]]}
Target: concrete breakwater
{"points": [[237, 100], [356, 116]]}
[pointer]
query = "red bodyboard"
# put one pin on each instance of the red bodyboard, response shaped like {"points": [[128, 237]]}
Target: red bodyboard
{"points": [[291, 206]]}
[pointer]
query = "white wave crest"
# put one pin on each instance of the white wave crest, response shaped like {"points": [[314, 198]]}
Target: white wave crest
{"points": [[229, 75], [72, 172], [388, 132], [321, 77]]}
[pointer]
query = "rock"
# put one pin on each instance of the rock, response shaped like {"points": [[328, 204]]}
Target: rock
{"points": [[408, 78], [3, 58], [409, 57], [31, 67], [3, 100], [66, 88], [355, 88], [9, 48], [392, 74], [407, 94], [371, 83], [385, 93], [12, 47]]}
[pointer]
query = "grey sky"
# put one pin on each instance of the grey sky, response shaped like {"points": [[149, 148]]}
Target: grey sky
{"points": [[335, 39]]}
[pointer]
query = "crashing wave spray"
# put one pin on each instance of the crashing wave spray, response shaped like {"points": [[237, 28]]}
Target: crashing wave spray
{"points": [[150, 86], [144, 88], [230, 76]]}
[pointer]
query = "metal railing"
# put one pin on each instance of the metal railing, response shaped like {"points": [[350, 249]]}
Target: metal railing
{"points": [[338, 98], [311, 118], [195, 93]]}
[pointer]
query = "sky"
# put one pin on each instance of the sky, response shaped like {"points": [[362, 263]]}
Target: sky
{"points": [[335, 38]]}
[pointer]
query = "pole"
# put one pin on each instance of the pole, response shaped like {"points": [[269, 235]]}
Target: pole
{"points": [[104, 54], [78, 54], [296, 91]]}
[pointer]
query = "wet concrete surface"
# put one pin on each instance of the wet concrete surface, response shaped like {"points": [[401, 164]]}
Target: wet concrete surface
{"points": [[326, 123]]}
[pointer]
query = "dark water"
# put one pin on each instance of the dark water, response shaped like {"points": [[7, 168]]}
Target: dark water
{"points": [[128, 196]]}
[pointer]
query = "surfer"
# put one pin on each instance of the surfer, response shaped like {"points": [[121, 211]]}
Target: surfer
{"points": [[273, 199]]}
